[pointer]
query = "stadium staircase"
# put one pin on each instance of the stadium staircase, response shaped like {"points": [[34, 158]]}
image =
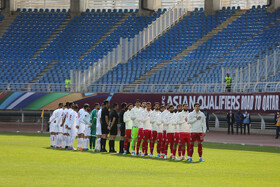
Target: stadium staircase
{"points": [[52, 36], [185, 52], [105, 35], [6, 22]]}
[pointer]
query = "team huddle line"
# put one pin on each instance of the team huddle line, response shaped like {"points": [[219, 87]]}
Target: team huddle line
{"points": [[140, 127]]}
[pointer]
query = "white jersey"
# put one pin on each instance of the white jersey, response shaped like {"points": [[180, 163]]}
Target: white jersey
{"points": [[72, 122], [162, 118], [81, 116], [87, 123], [170, 122], [184, 126], [154, 119], [198, 126], [177, 125], [60, 115], [127, 119], [134, 114], [146, 115], [139, 118], [98, 123], [66, 110]]}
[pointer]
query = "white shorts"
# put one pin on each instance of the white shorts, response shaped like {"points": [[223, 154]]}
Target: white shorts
{"points": [[65, 130], [98, 129], [81, 129], [53, 127], [87, 131], [73, 132], [59, 129]]}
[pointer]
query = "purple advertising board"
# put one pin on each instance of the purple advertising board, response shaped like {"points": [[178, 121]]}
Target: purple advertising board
{"points": [[221, 103]]}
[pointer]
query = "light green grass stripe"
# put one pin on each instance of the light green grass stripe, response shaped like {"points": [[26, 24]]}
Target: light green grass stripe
{"points": [[39, 103]]}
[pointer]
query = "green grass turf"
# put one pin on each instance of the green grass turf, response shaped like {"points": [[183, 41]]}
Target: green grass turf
{"points": [[27, 160]]}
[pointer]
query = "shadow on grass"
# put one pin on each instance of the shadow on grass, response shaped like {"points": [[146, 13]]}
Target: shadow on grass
{"points": [[126, 156]]}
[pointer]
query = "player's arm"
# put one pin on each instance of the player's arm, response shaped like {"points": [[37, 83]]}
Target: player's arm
{"points": [[191, 119]]}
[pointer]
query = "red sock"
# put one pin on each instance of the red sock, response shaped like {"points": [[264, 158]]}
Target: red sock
{"points": [[143, 146], [165, 149], [125, 144], [191, 150], [158, 147], [152, 147], [180, 150], [188, 148], [200, 149], [138, 146]]}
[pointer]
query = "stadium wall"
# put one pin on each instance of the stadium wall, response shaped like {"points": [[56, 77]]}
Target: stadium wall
{"points": [[218, 103]]}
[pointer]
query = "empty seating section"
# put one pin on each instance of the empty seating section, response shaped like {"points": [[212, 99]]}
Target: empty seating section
{"points": [[178, 38], [25, 35], [128, 29], [235, 46]]}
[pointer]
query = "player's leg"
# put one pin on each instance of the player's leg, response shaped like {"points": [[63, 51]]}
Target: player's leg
{"points": [[122, 138], [134, 135], [163, 144], [199, 145], [159, 142], [86, 139], [139, 140], [152, 142], [193, 138]]}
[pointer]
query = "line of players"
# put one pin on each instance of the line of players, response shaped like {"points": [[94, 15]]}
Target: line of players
{"points": [[143, 127]]}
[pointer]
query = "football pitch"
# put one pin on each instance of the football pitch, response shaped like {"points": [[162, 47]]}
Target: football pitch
{"points": [[27, 160]]}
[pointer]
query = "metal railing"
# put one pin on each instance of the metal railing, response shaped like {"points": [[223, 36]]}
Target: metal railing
{"points": [[146, 88], [50, 4], [259, 71], [128, 47]]}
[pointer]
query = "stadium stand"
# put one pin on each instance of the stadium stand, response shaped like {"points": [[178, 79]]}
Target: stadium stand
{"points": [[1, 17]]}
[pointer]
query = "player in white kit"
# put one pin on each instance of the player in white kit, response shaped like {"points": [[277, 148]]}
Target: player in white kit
{"points": [[87, 129], [59, 129], [147, 127], [81, 125], [154, 119], [53, 121], [98, 129], [160, 143], [72, 122], [68, 126], [176, 131]]}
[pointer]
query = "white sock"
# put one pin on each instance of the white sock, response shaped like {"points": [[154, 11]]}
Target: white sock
{"points": [[85, 143], [68, 140], [60, 140], [52, 140], [97, 147], [72, 140], [64, 141], [57, 140], [80, 142]]}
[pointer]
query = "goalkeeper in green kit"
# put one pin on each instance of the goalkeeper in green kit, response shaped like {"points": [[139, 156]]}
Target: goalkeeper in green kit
{"points": [[134, 132], [93, 126]]}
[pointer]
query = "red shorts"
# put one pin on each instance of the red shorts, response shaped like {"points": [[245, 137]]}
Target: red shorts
{"points": [[140, 134], [176, 137], [185, 137], [197, 137], [159, 137], [127, 133], [147, 134], [169, 138], [164, 136], [153, 136]]}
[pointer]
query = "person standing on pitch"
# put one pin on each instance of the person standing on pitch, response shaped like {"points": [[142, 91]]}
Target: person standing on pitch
{"points": [[81, 125], [59, 127], [230, 120], [198, 130], [67, 128], [93, 121], [73, 119], [176, 130], [147, 127], [113, 127], [105, 125], [98, 129], [164, 127], [247, 122], [239, 120], [277, 122], [140, 126], [53, 121], [169, 123], [134, 132], [160, 133], [154, 117], [122, 128], [87, 119], [128, 127], [185, 133], [207, 115]]}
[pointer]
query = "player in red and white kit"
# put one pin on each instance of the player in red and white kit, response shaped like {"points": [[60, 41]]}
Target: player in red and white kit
{"points": [[164, 126], [147, 126], [139, 118], [176, 131], [169, 122], [185, 133], [128, 126], [159, 124], [154, 119], [198, 129]]}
